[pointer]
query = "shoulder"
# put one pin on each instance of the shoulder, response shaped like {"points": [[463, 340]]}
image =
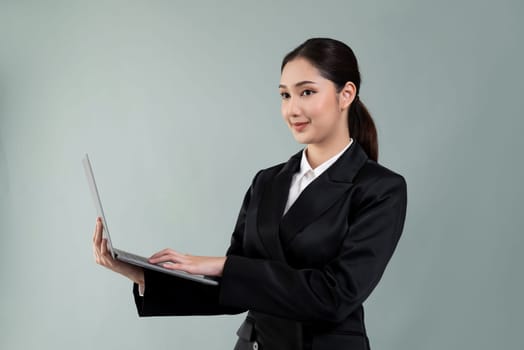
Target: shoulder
{"points": [[273, 169], [374, 181], [264, 174], [373, 173]]}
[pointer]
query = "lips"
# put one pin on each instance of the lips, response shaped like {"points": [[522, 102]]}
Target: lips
{"points": [[300, 126]]}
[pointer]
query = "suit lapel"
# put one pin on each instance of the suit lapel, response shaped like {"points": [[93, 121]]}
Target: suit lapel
{"points": [[272, 204], [276, 230]]}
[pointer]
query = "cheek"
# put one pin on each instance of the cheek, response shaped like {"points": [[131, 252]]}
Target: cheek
{"points": [[327, 110], [321, 110]]}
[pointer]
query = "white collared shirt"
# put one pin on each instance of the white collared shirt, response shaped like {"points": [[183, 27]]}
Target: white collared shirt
{"points": [[306, 174]]}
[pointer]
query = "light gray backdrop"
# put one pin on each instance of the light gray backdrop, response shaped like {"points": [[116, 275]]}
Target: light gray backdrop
{"points": [[178, 106]]}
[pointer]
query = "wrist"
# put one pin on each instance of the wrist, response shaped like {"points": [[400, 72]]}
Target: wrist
{"points": [[138, 276], [223, 263], [134, 273]]}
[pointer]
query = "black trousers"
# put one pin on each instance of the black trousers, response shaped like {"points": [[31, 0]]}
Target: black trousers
{"points": [[261, 331]]}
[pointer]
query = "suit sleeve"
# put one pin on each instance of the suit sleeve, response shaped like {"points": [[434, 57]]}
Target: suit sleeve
{"points": [[333, 292], [166, 295]]}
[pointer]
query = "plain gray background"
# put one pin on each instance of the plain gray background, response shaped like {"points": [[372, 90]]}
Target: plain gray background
{"points": [[178, 106]]}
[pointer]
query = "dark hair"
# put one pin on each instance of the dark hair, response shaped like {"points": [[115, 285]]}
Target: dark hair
{"points": [[337, 62]]}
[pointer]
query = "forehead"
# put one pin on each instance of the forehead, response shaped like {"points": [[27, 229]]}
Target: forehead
{"points": [[299, 69]]}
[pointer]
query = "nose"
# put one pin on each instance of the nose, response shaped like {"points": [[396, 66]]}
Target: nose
{"points": [[291, 107]]}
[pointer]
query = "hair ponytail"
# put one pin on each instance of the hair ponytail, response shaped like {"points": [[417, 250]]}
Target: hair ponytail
{"points": [[362, 128], [337, 62]]}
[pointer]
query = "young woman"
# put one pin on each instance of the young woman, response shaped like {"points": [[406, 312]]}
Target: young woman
{"points": [[314, 234]]}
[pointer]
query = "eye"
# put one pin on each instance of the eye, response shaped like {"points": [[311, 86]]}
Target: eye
{"points": [[284, 95], [307, 92]]}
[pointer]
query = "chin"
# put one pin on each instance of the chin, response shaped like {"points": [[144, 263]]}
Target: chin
{"points": [[302, 139]]}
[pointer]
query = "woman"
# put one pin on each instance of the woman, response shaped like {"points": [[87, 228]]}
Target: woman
{"points": [[314, 234]]}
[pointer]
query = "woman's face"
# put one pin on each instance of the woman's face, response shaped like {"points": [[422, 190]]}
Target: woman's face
{"points": [[311, 107]]}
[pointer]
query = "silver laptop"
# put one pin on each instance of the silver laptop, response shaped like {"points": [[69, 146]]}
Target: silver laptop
{"points": [[133, 258]]}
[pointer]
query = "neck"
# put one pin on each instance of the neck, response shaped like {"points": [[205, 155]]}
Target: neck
{"points": [[318, 153]]}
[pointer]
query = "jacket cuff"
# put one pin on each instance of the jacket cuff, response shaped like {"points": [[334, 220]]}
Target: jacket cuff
{"points": [[237, 276]]}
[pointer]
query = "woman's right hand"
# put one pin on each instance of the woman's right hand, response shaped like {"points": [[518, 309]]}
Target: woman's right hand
{"points": [[103, 257]]}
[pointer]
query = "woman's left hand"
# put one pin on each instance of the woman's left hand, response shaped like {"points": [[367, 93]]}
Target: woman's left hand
{"points": [[199, 265]]}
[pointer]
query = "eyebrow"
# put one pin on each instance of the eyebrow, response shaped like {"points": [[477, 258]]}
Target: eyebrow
{"points": [[300, 83]]}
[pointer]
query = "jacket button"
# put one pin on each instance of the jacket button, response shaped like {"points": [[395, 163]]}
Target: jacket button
{"points": [[255, 345]]}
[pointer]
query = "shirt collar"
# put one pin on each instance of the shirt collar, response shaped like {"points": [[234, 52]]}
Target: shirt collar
{"points": [[305, 166]]}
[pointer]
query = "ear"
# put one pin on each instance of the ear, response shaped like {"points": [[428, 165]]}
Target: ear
{"points": [[347, 95]]}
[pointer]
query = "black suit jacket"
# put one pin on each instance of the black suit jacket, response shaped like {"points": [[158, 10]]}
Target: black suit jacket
{"points": [[315, 265]]}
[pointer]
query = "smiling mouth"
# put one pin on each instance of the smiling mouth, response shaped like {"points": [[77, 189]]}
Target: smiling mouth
{"points": [[300, 126]]}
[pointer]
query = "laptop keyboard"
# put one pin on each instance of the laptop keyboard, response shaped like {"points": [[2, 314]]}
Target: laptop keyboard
{"points": [[131, 256]]}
